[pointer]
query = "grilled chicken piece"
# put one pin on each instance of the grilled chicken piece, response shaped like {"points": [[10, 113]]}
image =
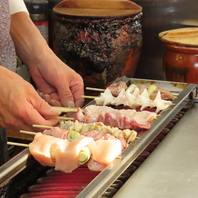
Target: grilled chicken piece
{"points": [[165, 94]]}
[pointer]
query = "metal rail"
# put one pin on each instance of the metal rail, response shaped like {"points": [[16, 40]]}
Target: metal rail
{"points": [[14, 166]]}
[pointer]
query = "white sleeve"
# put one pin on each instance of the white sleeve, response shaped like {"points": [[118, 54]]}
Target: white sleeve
{"points": [[17, 6]]}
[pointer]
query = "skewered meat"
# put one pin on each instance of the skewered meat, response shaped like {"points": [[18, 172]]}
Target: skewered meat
{"points": [[100, 135], [103, 153], [56, 152], [96, 135], [41, 149], [123, 119], [128, 135], [67, 156], [117, 87], [133, 98], [165, 94], [56, 132], [105, 98]]}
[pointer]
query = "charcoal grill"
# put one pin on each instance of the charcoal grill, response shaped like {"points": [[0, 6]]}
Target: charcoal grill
{"points": [[23, 177]]}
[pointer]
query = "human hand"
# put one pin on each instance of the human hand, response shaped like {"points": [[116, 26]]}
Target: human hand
{"points": [[20, 104], [58, 84]]}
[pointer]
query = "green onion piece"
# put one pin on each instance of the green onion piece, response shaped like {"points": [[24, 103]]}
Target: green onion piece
{"points": [[151, 89], [72, 135], [131, 88], [84, 155]]}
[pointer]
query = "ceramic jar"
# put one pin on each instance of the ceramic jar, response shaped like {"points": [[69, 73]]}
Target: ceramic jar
{"points": [[101, 40], [180, 61]]}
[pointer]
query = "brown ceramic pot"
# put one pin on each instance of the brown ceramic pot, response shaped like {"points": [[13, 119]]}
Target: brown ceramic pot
{"points": [[101, 40], [180, 61], [180, 64]]}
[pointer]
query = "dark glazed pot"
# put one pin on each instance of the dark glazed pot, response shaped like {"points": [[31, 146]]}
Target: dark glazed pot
{"points": [[180, 61], [180, 64], [101, 40]]}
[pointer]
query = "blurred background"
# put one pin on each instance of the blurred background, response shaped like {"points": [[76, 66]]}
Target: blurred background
{"points": [[158, 15]]}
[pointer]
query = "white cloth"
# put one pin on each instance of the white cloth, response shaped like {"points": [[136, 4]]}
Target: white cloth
{"points": [[17, 6]]}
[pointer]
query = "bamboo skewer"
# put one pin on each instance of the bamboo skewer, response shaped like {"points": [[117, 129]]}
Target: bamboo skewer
{"points": [[42, 126], [17, 144], [98, 89], [94, 89], [89, 97], [28, 132], [61, 118], [66, 109]]}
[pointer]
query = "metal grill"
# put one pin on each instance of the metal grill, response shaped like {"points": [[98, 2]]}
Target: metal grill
{"points": [[82, 182]]}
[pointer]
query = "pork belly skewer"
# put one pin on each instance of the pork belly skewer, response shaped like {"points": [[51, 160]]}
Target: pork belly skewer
{"points": [[121, 118]]}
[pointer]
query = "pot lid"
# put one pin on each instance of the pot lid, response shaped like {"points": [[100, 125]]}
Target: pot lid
{"points": [[97, 8], [182, 36]]}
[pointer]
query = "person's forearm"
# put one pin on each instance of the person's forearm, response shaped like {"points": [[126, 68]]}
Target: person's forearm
{"points": [[30, 44]]}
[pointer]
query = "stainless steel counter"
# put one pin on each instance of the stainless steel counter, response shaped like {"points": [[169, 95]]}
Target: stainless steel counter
{"points": [[172, 168]]}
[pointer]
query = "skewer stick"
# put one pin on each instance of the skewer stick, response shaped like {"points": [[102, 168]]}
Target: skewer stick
{"points": [[42, 126], [17, 144], [28, 132], [94, 89], [61, 118], [98, 89], [90, 97], [66, 109]]}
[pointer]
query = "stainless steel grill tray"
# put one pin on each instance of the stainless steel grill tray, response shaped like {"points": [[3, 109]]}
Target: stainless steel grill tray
{"points": [[185, 95]]}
